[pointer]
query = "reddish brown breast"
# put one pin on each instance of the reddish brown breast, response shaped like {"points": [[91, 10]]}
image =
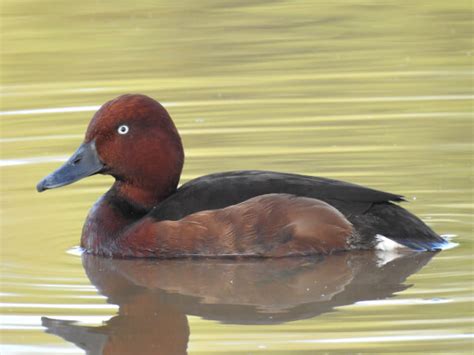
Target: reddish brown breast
{"points": [[272, 225]]}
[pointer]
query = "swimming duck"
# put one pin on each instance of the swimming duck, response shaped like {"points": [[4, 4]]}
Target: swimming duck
{"points": [[238, 213]]}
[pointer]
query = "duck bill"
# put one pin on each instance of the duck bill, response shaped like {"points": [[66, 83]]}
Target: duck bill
{"points": [[83, 163]]}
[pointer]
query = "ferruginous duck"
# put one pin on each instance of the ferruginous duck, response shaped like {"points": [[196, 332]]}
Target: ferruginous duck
{"points": [[238, 213]]}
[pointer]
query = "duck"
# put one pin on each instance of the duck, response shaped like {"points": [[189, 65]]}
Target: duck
{"points": [[248, 213]]}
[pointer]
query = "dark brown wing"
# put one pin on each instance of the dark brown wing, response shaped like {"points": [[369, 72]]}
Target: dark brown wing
{"points": [[225, 189]]}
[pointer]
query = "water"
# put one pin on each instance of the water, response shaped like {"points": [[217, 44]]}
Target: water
{"points": [[374, 93]]}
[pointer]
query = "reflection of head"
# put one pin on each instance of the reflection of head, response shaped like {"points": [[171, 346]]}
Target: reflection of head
{"points": [[133, 331], [154, 296]]}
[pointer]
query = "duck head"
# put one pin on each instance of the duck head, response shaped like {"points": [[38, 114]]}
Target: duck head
{"points": [[133, 139]]}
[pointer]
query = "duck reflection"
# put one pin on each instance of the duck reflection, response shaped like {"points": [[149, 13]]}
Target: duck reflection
{"points": [[155, 296]]}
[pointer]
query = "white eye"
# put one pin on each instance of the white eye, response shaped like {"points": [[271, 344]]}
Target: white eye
{"points": [[123, 129]]}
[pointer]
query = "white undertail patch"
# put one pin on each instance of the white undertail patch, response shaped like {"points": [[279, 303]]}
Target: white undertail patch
{"points": [[386, 244], [388, 250]]}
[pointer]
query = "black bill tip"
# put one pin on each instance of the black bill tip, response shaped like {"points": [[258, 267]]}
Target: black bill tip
{"points": [[41, 186]]}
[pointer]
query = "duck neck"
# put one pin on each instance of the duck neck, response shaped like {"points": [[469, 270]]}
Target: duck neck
{"points": [[122, 206], [143, 197]]}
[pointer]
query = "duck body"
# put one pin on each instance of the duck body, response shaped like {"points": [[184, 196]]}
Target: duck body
{"points": [[240, 213], [371, 212]]}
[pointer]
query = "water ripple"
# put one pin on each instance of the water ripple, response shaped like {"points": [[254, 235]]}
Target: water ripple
{"points": [[278, 100]]}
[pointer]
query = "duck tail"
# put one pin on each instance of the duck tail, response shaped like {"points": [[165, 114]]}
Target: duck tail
{"points": [[402, 227]]}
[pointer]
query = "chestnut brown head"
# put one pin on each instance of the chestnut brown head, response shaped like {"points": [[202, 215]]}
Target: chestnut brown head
{"points": [[131, 138]]}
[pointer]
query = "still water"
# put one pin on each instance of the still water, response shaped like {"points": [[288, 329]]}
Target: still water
{"points": [[377, 93]]}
